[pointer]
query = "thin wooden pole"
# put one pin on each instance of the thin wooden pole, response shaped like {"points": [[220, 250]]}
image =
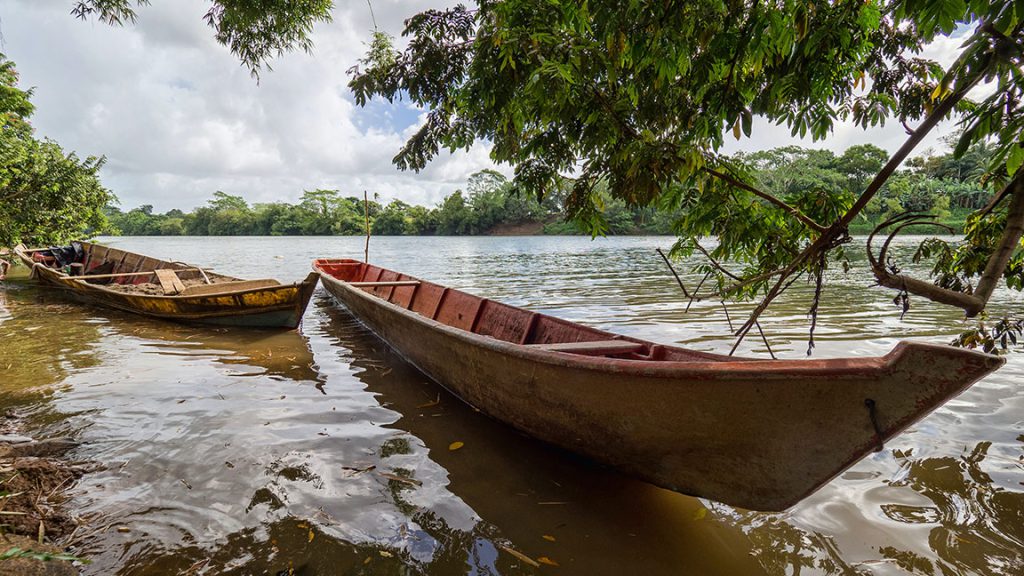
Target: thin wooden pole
{"points": [[122, 274], [366, 212]]}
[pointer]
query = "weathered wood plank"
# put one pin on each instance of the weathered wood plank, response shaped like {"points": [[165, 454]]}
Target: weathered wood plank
{"points": [[391, 283], [170, 282], [205, 289], [595, 348], [119, 274]]}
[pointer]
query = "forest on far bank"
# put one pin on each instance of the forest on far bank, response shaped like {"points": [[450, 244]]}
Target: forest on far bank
{"points": [[940, 184]]}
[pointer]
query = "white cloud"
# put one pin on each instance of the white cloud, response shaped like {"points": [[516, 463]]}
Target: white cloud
{"points": [[178, 117]]}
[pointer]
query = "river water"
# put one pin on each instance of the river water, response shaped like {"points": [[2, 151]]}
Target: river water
{"points": [[250, 452]]}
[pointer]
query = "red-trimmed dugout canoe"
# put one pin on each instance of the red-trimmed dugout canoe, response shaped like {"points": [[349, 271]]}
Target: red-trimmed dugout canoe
{"points": [[758, 434], [127, 281]]}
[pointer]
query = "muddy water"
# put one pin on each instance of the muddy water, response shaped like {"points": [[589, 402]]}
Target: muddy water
{"points": [[246, 452]]}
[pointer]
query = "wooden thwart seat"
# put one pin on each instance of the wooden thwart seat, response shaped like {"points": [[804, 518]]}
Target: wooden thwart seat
{"points": [[217, 288], [592, 348], [169, 281]]}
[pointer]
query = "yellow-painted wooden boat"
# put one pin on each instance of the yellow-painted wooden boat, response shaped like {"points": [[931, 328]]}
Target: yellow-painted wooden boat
{"points": [[167, 290]]}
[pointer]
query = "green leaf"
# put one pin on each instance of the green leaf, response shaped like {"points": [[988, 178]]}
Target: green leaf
{"points": [[1014, 159]]}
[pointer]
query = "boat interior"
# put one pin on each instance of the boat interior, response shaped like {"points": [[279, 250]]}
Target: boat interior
{"points": [[500, 321], [129, 272]]}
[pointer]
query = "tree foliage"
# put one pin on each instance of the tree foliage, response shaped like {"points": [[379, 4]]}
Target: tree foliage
{"points": [[255, 32], [633, 100], [490, 204], [46, 194], [642, 95]]}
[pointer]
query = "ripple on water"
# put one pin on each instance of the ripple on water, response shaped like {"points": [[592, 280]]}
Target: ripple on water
{"points": [[323, 452]]}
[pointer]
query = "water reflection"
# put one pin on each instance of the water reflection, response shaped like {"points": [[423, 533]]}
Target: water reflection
{"points": [[529, 489], [42, 342], [238, 452], [975, 525], [278, 354]]}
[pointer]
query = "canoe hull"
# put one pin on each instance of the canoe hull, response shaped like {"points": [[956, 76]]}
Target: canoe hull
{"points": [[755, 434], [280, 306]]}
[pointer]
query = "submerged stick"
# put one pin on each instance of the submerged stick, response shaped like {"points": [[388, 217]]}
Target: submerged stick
{"points": [[697, 289], [765, 339], [672, 268]]}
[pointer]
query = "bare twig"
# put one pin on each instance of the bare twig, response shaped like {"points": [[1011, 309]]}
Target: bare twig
{"points": [[672, 268], [765, 340], [727, 317], [837, 232], [734, 287], [697, 289]]}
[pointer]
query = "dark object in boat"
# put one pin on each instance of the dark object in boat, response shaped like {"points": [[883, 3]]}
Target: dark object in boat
{"points": [[169, 290], [759, 434]]}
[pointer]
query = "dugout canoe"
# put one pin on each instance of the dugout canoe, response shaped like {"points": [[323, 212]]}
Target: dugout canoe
{"points": [[167, 290], [758, 434]]}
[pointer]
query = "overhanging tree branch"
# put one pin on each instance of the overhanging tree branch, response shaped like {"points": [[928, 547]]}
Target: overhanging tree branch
{"points": [[971, 304], [765, 196], [836, 233]]}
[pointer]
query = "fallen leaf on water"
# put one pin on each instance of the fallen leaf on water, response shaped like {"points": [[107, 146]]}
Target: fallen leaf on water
{"points": [[123, 529], [548, 538], [302, 525], [194, 568], [229, 464], [182, 401], [368, 559], [519, 555], [397, 478], [431, 403], [187, 485], [311, 535], [386, 554], [353, 470], [546, 560], [455, 445], [700, 514]]}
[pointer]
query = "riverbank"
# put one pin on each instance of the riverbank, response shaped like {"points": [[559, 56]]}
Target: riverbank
{"points": [[321, 451], [35, 527]]}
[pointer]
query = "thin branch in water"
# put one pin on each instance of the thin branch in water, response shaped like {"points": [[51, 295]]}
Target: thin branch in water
{"points": [[672, 268], [765, 340], [837, 233], [697, 289], [727, 317], [752, 321]]}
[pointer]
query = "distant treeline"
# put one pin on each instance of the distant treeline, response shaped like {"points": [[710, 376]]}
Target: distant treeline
{"points": [[948, 187]]}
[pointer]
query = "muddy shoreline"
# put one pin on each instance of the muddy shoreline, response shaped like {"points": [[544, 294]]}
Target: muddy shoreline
{"points": [[36, 530]]}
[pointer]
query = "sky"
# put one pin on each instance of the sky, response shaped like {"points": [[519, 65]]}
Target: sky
{"points": [[178, 118]]}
